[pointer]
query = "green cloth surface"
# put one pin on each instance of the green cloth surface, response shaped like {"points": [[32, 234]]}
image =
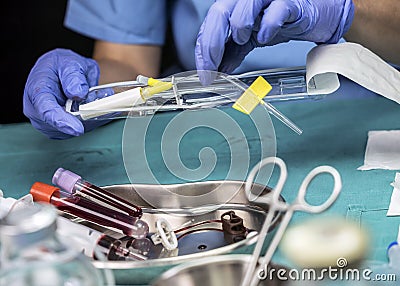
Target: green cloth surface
{"points": [[335, 133]]}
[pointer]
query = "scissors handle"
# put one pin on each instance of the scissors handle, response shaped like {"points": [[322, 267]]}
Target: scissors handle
{"points": [[272, 199], [268, 198], [337, 186], [301, 204]]}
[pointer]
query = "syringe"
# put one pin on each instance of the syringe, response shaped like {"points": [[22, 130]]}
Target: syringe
{"points": [[133, 96], [89, 210], [91, 241]]}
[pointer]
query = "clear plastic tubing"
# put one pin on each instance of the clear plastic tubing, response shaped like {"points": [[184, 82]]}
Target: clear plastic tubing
{"points": [[279, 115], [75, 185], [89, 210]]}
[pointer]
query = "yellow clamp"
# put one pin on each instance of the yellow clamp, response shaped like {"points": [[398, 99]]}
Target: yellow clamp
{"points": [[253, 96]]}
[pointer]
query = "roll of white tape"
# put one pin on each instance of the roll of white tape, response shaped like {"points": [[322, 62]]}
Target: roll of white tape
{"points": [[324, 242]]}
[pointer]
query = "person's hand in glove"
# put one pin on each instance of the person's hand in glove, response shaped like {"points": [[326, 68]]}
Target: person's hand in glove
{"points": [[232, 28], [58, 75]]}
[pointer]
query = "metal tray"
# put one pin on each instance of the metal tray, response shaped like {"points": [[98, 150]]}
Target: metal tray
{"points": [[177, 213], [214, 271]]}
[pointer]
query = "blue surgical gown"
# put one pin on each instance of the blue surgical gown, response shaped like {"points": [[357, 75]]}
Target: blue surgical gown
{"points": [[145, 22]]}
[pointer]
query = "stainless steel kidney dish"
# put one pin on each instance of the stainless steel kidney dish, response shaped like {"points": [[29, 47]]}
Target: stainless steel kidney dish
{"points": [[201, 241]]}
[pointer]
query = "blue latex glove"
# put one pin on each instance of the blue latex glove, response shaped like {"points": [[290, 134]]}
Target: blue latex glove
{"points": [[232, 28], [58, 75]]}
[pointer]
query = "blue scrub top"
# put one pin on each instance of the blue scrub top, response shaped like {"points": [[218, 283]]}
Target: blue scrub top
{"points": [[145, 22]]}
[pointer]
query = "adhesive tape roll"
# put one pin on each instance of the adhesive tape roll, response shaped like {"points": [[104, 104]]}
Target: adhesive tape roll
{"points": [[324, 242]]}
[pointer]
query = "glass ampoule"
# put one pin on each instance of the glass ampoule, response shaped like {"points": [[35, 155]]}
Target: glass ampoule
{"points": [[33, 255]]}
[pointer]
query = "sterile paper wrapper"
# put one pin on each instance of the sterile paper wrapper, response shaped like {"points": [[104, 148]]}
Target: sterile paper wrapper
{"points": [[355, 62], [394, 207], [382, 151]]}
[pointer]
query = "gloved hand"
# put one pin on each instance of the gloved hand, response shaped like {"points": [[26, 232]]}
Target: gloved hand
{"points": [[58, 75], [232, 28]]}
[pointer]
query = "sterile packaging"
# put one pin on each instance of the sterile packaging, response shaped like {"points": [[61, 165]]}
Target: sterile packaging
{"points": [[208, 89], [186, 91]]}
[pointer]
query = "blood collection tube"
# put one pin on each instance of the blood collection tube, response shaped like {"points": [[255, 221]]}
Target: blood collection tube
{"points": [[89, 210], [88, 240], [75, 185]]}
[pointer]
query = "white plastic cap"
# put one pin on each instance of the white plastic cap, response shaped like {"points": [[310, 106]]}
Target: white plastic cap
{"points": [[142, 79], [8, 204]]}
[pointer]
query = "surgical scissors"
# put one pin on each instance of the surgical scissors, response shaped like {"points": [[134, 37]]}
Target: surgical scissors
{"points": [[275, 205]]}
